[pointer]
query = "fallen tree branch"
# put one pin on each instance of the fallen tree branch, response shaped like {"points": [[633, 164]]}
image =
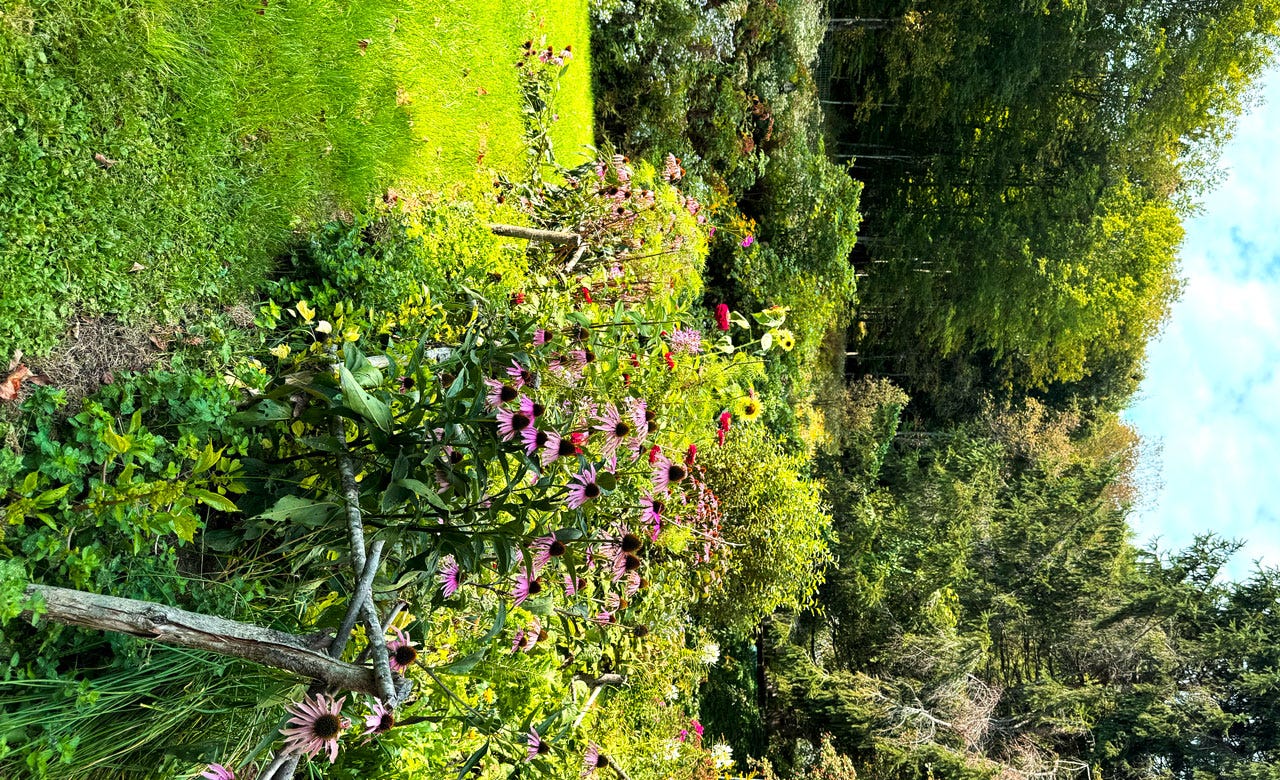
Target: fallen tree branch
{"points": [[534, 234], [174, 626]]}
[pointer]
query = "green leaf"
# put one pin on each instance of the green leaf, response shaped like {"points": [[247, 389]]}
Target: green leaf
{"points": [[297, 509], [218, 502], [207, 459], [473, 761], [466, 663], [50, 497], [607, 481], [358, 400], [364, 372], [264, 412]]}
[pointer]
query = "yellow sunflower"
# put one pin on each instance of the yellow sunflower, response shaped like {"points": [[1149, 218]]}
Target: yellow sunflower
{"points": [[748, 408], [784, 339]]}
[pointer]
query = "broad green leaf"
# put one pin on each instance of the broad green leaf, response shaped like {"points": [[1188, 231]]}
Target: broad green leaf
{"points": [[358, 400], [218, 502]]}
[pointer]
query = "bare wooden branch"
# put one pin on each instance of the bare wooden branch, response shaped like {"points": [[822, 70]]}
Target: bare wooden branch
{"points": [[363, 592], [534, 234], [174, 626]]}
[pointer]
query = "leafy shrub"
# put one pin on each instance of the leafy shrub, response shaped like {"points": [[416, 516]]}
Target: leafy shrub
{"points": [[774, 525]]}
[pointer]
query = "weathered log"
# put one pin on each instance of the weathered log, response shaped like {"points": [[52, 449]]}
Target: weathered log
{"points": [[170, 625], [534, 234]]}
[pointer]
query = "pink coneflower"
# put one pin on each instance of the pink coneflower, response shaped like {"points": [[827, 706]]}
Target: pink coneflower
{"points": [[512, 424], [379, 720], [672, 171], [525, 587], [583, 488], [546, 548], [615, 429], [640, 416], [534, 440], [499, 393], [527, 638], [540, 337], [686, 340], [537, 746], [450, 576], [557, 447], [634, 583], [651, 514], [722, 316], [573, 584], [218, 772], [625, 563], [400, 651], [315, 726], [666, 473], [520, 376]]}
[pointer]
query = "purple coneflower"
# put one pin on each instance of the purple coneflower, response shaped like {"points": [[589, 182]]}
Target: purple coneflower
{"points": [[450, 576], [526, 586], [665, 473], [512, 424], [593, 759], [615, 429], [537, 746], [499, 393], [651, 513], [583, 488], [315, 726], [218, 772], [546, 548], [400, 651], [573, 584], [520, 375], [379, 720], [526, 638], [534, 440], [640, 416], [540, 337], [634, 583]]}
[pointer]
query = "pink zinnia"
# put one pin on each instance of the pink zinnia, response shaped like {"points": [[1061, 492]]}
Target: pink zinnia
{"points": [[315, 726], [583, 488], [400, 651], [665, 473], [450, 576], [537, 746], [525, 587], [218, 772], [546, 548], [722, 316], [379, 720]]}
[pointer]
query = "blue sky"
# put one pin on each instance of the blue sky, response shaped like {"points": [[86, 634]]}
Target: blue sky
{"points": [[1209, 408]]}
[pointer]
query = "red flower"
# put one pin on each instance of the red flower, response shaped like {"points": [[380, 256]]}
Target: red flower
{"points": [[723, 427], [626, 380], [635, 360], [691, 455], [586, 294], [578, 437], [654, 452], [722, 316], [671, 364], [517, 298]]}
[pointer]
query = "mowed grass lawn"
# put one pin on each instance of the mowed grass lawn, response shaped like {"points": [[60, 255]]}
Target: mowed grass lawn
{"points": [[157, 154]]}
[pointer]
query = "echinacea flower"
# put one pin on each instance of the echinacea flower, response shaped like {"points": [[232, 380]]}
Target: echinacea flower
{"points": [[546, 548], [450, 576], [512, 424], [534, 439], [557, 447], [615, 429], [666, 473], [537, 745], [316, 724], [499, 393], [583, 488], [526, 586], [540, 337], [573, 584], [520, 376], [722, 316], [379, 720], [526, 638], [218, 772], [593, 759], [400, 651]]}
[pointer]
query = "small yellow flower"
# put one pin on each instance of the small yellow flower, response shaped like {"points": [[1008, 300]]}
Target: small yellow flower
{"points": [[305, 311], [281, 351], [748, 408], [323, 326], [785, 339], [487, 696]]}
